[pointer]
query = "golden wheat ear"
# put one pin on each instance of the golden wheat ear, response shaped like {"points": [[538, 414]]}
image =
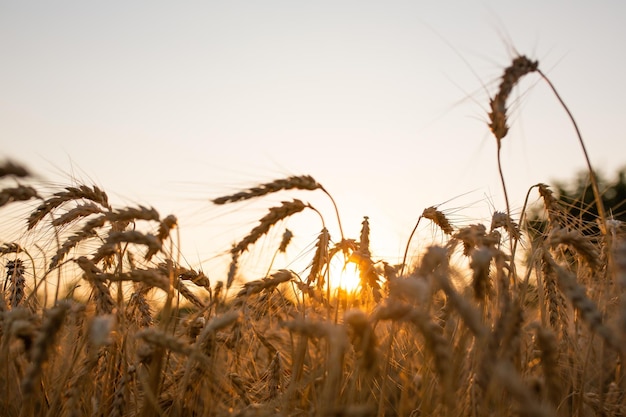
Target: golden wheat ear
{"points": [[276, 214], [512, 74], [303, 182], [83, 192], [497, 116]]}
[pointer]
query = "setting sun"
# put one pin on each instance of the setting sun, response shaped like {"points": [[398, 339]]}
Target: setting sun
{"points": [[344, 275]]}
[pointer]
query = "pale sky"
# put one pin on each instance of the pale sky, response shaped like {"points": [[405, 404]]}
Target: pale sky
{"points": [[170, 104]]}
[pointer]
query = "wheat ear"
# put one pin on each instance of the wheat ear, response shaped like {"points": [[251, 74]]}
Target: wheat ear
{"points": [[128, 214], [435, 262], [78, 212], [510, 379], [129, 236], [320, 258], [551, 205], [585, 306], [434, 215], [93, 194], [548, 346], [12, 247], [19, 193], [303, 182], [276, 214], [88, 230], [480, 264], [15, 275], [577, 241], [151, 278], [256, 286], [497, 116], [439, 218], [363, 339], [503, 220], [10, 168], [512, 74], [43, 342], [557, 318]]}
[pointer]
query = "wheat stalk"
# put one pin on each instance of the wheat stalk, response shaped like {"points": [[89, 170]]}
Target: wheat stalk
{"points": [[520, 66], [592, 174], [436, 217]]}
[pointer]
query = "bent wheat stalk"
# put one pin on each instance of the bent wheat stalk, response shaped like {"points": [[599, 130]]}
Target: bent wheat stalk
{"points": [[497, 116], [592, 175], [436, 216]]}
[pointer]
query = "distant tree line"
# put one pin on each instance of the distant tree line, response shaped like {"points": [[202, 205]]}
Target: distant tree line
{"points": [[578, 205]]}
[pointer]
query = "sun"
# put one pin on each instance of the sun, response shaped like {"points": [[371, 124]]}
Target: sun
{"points": [[344, 275]]}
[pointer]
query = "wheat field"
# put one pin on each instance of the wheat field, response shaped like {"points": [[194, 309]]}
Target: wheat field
{"points": [[99, 317]]}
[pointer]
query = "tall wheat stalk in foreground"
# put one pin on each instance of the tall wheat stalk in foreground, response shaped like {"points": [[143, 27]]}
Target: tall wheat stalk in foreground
{"points": [[130, 331]]}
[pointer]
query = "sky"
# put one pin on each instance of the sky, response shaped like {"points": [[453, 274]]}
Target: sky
{"points": [[172, 104]]}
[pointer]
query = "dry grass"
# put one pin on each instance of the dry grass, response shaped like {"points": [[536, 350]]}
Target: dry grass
{"points": [[136, 333]]}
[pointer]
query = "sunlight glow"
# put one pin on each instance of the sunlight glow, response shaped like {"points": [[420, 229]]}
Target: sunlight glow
{"points": [[344, 275]]}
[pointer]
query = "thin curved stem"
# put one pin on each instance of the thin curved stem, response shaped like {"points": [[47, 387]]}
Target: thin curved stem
{"points": [[521, 220], [592, 174], [506, 198], [408, 243], [336, 211]]}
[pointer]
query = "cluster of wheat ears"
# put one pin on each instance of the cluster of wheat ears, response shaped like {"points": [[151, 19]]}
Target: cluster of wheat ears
{"points": [[534, 332]]}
